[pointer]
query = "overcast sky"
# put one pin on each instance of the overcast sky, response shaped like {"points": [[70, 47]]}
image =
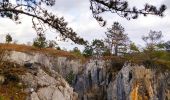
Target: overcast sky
{"points": [[79, 17]]}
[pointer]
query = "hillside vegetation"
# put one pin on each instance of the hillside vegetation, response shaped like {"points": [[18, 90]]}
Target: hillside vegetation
{"points": [[156, 58], [32, 49]]}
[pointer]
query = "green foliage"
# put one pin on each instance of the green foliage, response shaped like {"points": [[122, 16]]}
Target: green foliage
{"points": [[12, 92], [88, 51], [134, 48], [157, 59], [153, 39], [2, 98], [153, 55], [167, 45], [58, 48], [40, 41], [107, 52], [121, 8], [11, 72], [8, 38], [76, 51], [98, 47], [161, 46], [70, 77], [52, 44], [116, 40], [40, 17]]}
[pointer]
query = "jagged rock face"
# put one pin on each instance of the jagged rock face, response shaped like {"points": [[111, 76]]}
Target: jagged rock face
{"points": [[62, 65], [42, 79], [42, 86], [94, 80], [99, 82], [89, 77], [139, 83], [91, 84]]}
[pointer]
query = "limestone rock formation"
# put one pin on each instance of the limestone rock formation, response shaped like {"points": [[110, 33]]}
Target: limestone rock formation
{"points": [[139, 83], [62, 65], [42, 86], [94, 80]]}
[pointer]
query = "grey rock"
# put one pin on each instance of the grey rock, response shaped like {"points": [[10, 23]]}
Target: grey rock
{"points": [[94, 80], [2, 79]]}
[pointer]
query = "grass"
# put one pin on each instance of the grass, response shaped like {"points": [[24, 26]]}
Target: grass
{"points": [[156, 59], [162, 57], [31, 49], [10, 89]]}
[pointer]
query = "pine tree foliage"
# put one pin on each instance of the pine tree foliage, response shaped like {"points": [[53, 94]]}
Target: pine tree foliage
{"points": [[116, 40], [41, 17], [40, 41], [153, 39], [8, 38], [121, 8]]}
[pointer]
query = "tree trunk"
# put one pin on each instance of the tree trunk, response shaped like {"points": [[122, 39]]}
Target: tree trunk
{"points": [[116, 50]]}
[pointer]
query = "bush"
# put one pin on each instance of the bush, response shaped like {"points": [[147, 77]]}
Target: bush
{"points": [[2, 98], [88, 51], [8, 38], [70, 77], [76, 52], [11, 71], [107, 52], [40, 41]]}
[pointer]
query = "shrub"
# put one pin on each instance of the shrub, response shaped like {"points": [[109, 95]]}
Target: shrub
{"points": [[2, 98], [8, 38], [40, 41], [70, 77], [88, 51]]}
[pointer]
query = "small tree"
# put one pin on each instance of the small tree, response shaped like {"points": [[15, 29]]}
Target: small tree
{"points": [[116, 39], [40, 41], [98, 47], [167, 46], [152, 40], [106, 52], [153, 44], [8, 38], [76, 51], [88, 51], [58, 48], [52, 44], [133, 48]]}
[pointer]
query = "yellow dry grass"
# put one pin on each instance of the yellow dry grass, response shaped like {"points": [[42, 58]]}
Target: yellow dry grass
{"points": [[31, 49]]}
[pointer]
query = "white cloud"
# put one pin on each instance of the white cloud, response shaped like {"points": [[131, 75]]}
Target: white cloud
{"points": [[79, 17]]}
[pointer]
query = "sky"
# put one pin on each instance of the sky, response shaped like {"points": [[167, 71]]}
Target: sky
{"points": [[79, 17]]}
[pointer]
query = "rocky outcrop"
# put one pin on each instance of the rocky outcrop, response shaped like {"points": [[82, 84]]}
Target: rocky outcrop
{"points": [[139, 83], [41, 86], [100, 81], [94, 80], [62, 65], [91, 83]]}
